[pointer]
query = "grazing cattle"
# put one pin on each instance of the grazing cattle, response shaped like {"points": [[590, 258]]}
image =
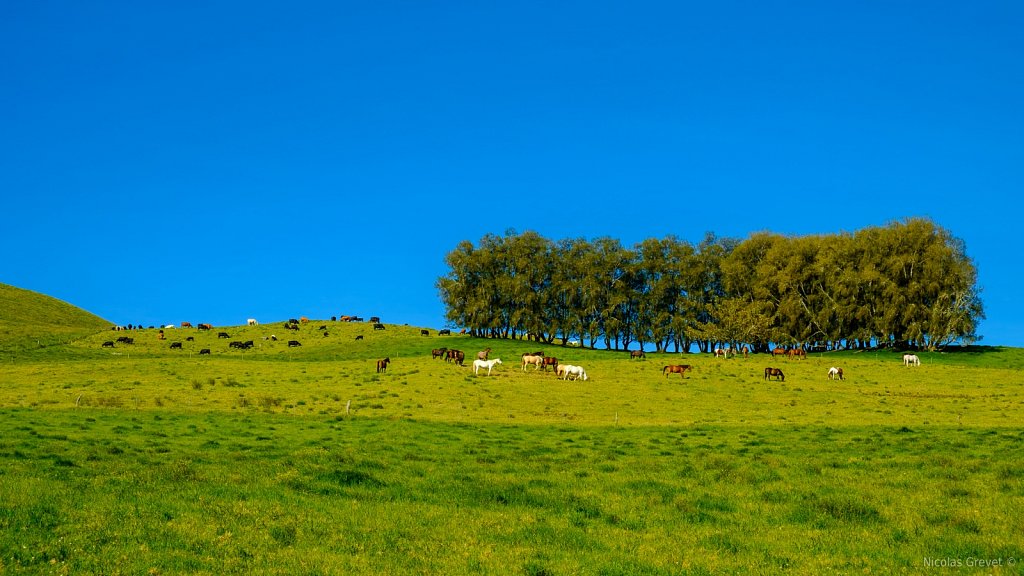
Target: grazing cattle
{"points": [[574, 343], [252, 322], [835, 373], [444, 332], [223, 335], [175, 345], [536, 360], [304, 320], [293, 321], [375, 319], [123, 339], [241, 345], [720, 353], [677, 369], [204, 351], [273, 337], [108, 344], [294, 343], [637, 354], [345, 318], [186, 324], [482, 355], [359, 337], [291, 326], [326, 334], [424, 332], [382, 365], [378, 326], [190, 339], [489, 364], [324, 327], [911, 360], [770, 373], [205, 326], [437, 353]]}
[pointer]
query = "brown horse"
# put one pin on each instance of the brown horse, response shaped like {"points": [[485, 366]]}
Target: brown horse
{"points": [[437, 353], [779, 352], [549, 361], [382, 365], [676, 369], [637, 354], [769, 373], [798, 353], [482, 355]]}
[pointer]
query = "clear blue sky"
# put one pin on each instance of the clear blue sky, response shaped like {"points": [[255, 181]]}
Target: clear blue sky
{"points": [[214, 161]]}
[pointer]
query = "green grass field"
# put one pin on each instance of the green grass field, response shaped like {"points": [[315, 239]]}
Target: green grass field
{"points": [[276, 460]]}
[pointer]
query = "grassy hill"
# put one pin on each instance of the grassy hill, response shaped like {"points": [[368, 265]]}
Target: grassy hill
{"points": [[33, 320], [283, 459]]}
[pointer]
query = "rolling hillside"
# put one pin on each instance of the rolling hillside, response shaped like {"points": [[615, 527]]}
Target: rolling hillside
{"points": [[32, 320]]}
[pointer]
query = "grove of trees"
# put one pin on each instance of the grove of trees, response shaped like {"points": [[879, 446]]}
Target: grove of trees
{"points": [[908, 284]]}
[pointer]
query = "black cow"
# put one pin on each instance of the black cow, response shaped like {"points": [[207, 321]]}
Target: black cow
{"points": [[378, 326], [175, 345], [108, 344], [204, 351], [223, 335], [445, 332], [375, 319], [360, 337], [294, 343], [424, 332], [190, 339]]}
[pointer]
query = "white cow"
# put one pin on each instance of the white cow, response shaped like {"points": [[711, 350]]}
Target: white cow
{"points": [[252, 322]]}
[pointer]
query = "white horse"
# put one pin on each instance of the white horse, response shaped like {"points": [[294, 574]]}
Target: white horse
{"points": [[478, 364], [252, 322], [911, 360], [835, 373], [570, 372], [535, 359]]}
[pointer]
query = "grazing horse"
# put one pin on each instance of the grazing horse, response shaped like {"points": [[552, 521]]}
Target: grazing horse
{"points": [[382, 365], [746, 351], [549, 361], [676, 369], [798, 353], [537, 360], [456, 356], [835, 373], [637, 354], [769, 373], [478, 364], [572, 372], [482, 355], [721, 353], [911, 360], [437, 353], [779, 352]]}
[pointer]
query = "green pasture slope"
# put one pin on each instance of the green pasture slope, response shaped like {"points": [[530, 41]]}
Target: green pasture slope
{"points": [[31, 320], [304, 460]]}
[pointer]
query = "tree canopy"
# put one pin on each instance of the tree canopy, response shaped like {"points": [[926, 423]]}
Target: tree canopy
{"points": [[907, 284]]}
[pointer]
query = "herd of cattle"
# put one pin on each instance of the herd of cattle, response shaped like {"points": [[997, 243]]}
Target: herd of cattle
{"points": [[291, 324]]}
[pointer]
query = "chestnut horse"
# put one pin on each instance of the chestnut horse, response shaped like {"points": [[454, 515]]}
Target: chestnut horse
{"points": [[637, 354], [676, 369], [382, 365], [774, 372]]}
